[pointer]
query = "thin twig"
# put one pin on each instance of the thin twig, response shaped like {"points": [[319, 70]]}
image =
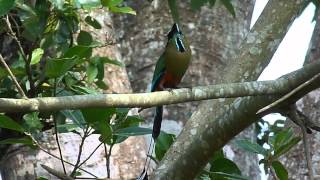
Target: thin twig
{"points": [[80, 152], [24, 55], [46, 151], [291, 93], [300, 121], [56, 173], [273, 174], [16, 24], [108, 155], [307, 152], [13, 35], [56, 130], [13, 78], [90, 155]]}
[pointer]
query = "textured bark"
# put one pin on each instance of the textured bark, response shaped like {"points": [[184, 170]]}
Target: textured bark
{"points": [[23, 163], [214, 36], [213, 120], [295, 161]]}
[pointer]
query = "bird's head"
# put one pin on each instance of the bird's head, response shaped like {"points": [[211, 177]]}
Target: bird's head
{"points": [[175, 36]]}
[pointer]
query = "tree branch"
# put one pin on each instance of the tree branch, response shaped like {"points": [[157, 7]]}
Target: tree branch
{"points": [[280, 86], [214, 123], [24, 55], [56, 173], [23, 95], [290, 95]]}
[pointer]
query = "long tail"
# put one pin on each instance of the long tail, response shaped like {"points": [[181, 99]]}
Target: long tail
{"points": [[157, 122], [155, 133]]}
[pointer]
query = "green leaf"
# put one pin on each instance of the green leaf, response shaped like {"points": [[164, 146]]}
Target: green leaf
{"points": [[84, 38], [19, 71], [196, 4], [282, 138], [92, 115], [251, 147], [93, 22], [229, 176], [212, 2], [131, 121], [52, 24], [8, 123], [85, 90], [109, 3], [41, 178], [5, 6], [58, 67], [100, 67], [102, 85], [174, 10], [127, 10], [224, 165], [25, 140], [75, 116], [36, 56], [92, 72], [65, 128], [32, 121], [133, 131], [78, 51], [227, 4], [58, 4], [99, 119], [285, 148], [163, 143], [216, 155], [105, 130], [280, 170], [26, 8], [32, 28], [87, 4], [108, 61]]}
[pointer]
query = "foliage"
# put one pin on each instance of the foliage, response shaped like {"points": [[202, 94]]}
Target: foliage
{"points": [[272, 144], [197, 4], [220, 167], [54, 58]]}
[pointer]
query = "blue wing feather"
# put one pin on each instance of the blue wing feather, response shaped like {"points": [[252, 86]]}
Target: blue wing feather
{"points": [[158, 73]]}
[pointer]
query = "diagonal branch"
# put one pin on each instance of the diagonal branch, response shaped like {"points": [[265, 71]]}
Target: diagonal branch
{"points": [[23, 95], [26, 58], [214, 123], [290, 96]]}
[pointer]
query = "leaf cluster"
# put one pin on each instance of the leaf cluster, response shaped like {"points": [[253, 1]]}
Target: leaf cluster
{"points": [[272, 143]]}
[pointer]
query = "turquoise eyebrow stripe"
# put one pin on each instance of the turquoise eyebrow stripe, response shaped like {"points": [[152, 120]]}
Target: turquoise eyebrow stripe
{"points": [[179, 45]]}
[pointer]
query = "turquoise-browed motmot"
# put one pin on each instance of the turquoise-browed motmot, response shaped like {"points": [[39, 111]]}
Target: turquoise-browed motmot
{"points": [[169, 70]]}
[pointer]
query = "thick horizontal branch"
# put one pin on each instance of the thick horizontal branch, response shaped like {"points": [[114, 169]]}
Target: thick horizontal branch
{"points": [[279, 86]]}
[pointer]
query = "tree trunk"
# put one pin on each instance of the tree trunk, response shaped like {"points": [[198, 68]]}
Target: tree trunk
{"points": [[214, 36]]}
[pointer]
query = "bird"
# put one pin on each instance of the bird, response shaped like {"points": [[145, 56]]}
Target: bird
{"points": [[169, 71]]}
